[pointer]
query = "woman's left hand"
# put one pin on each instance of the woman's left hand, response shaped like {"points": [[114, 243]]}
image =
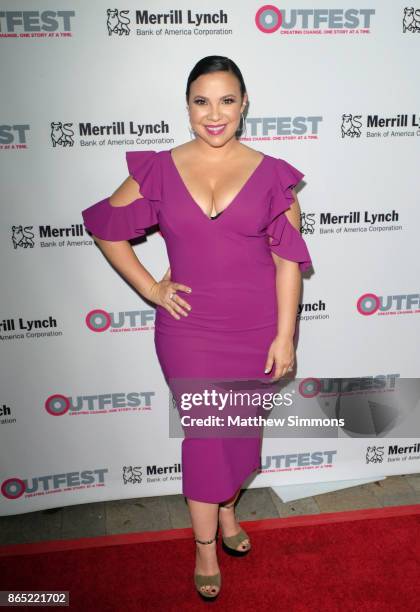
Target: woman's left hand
{"points": [[282, 354]]}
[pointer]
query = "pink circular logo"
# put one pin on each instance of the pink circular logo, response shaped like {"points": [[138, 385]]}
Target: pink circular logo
{"points": [[268, 19], [56, 405], [98, 320], [368, 304], [309, 387], [12, 488]]}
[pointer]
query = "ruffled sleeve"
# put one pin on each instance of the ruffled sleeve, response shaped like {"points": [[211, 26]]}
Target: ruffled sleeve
{"points": [[145, 168], [126, 222], [287, 240]]}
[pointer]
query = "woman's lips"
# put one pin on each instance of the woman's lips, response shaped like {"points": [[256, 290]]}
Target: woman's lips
{"points": [[215, 130]]}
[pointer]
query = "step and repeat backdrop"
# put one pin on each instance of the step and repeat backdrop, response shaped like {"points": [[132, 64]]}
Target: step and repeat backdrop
{"points": [[334, 90]]}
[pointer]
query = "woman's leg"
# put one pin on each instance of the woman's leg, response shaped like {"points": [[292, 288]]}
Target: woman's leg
{"points": [[228, 522], [204, 524]]}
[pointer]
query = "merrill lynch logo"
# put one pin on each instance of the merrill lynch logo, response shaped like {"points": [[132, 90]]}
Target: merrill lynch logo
{"points": [[350, 126], [132, 474], [22, 236], [62, 134], [375, 454], [117, 22], [307, 225], [411, 20]]}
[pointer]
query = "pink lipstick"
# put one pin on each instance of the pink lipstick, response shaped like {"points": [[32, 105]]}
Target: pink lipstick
{"points": [[215, 130]]}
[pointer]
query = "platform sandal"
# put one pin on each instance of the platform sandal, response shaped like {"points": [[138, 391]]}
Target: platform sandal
{"points": [[203, 580], [230, 543]]}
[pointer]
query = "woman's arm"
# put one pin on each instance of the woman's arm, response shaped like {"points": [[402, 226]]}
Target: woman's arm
{"points": [[120, 253], [288, 289], [288, 281], [124, 259]]}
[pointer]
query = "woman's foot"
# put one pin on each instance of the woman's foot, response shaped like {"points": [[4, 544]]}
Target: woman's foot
{"points": [[230, 525], [206, 565]]}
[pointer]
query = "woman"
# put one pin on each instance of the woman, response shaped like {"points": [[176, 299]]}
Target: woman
{"points": [[227, 305]]}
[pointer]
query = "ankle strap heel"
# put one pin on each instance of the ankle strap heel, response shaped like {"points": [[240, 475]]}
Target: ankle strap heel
{"points": [[214, 580], [206, 541], [230, 543]]}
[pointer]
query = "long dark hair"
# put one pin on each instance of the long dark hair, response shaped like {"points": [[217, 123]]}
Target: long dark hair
{"points": [[214, 63]]}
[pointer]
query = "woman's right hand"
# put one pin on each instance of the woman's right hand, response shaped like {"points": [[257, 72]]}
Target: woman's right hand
{"points": [[160, 294]]}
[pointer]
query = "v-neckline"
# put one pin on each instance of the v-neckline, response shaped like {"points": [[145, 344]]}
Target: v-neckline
{"points": [[215, 219]]}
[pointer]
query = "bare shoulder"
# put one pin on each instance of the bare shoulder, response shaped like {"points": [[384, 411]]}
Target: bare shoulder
{"points": [[184, 151], [250, 154], [125, 193]]}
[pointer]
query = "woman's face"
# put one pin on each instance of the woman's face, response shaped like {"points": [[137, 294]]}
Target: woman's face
{"points": [[215, 107]]}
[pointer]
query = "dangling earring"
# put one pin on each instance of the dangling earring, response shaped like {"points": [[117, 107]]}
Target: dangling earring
{"points": [[243, 124], [191, 131]]}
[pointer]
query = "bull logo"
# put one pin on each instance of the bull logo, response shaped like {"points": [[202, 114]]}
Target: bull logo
{"points": [[307, 223], [22, 237], [375, 454], [411, 20], [132, 474], [351, 125], [117, 22], [62, 134]]}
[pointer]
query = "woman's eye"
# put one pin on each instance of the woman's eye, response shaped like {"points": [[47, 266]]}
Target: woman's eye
{"points": [[200, 101]]}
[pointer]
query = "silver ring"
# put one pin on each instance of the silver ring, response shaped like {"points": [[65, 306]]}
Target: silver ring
{"points": [[171, 295]]}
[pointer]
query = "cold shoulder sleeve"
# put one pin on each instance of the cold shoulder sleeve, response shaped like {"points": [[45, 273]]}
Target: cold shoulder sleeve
{"points": [[129, 221], [287, 241]]}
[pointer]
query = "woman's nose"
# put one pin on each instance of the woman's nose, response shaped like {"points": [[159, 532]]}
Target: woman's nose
{"points": [[214, 114]]}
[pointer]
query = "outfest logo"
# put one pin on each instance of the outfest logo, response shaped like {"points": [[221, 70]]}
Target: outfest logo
{"points": [[292, 462], [134, 401], [365, 405], [332, 387], [14, 136], [287, 127], [399, 304], [99, 320], [271, 19], [36, 24], [15, 487]]}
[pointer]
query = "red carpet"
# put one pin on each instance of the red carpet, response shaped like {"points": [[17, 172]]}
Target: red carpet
{"points": [[364, 560]]}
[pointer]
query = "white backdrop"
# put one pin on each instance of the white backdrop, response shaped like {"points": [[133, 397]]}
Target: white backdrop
{"points": [[84, 413]]}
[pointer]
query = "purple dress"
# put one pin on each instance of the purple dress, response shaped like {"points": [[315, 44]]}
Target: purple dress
{"points": [[228, 264]]}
